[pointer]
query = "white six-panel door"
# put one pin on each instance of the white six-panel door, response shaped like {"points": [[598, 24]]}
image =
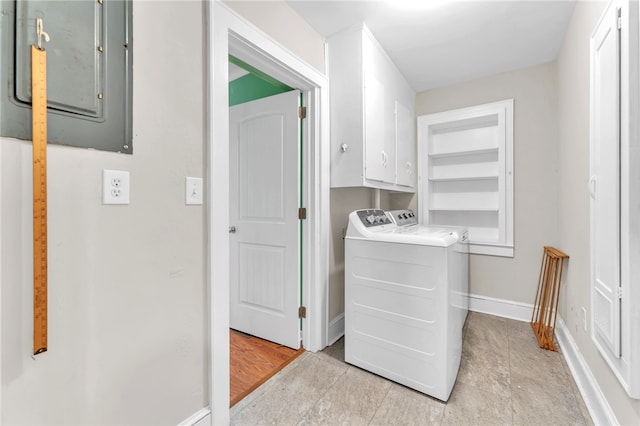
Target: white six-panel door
{"points": [[264, 190]]}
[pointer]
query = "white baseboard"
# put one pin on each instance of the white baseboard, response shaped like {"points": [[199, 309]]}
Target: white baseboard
{"points": [[336, 329], [199, 418], [599, 409], [500, 307]]}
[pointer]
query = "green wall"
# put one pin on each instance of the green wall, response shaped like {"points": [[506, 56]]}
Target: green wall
{"points": [[255, 85]]}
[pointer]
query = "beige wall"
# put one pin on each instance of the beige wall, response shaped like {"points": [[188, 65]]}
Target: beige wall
{"points": [[535, 174], [573, 200], [343, 202], [127, 299], [278, 20]]}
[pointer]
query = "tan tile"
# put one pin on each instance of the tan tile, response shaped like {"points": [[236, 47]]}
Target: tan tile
{"points": [[483, 366], [472, 405], [504, 378], [542, 372], [528, 359], [581, 404], [541, 401], [353, 400], [404, 406], [487, 333], [336, 350], [266, 386], [522, 332], [520, 329], [291, 394]]}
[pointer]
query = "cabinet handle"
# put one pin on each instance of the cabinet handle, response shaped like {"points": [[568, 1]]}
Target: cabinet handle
{"points": [[384, 158], [409, 168], [592, 187]]}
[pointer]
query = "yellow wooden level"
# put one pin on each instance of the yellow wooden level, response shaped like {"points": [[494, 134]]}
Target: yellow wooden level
{"points": [[39, 127]]}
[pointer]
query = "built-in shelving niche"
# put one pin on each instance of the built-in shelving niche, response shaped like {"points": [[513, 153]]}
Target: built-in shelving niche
{"points": [[466, 176]]}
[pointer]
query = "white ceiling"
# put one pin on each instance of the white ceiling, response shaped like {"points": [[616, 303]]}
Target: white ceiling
{"points": [[443, 42]]}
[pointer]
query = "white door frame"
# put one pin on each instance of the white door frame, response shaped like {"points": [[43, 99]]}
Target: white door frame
{"points": [[227, 33], [1, 382]]}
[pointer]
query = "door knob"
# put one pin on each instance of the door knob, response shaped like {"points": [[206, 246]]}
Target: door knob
{"points": [[232, 229]]}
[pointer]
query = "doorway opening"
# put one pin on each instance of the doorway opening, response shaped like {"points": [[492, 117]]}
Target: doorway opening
{"points": [[266, 193], [228, 34]]}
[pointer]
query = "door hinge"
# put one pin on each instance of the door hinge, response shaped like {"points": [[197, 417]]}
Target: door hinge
{"points": [[302, 112], [619, 19], [302, 213], [302, 312], [619, 292]]}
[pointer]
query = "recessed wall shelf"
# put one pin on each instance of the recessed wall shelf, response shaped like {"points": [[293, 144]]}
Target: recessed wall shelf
{"points": [[466, 176]]}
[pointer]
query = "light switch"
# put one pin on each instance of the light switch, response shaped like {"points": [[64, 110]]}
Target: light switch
{"points": [[193, 191]]}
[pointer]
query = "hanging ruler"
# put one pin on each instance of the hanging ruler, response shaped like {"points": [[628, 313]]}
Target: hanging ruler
{"points": [[39, 135]]}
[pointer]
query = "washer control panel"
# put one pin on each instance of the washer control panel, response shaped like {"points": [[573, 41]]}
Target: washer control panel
{"points": [[403, 217], [371, 218]]}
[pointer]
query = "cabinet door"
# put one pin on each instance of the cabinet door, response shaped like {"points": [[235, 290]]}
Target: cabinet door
{"points": [[376, 158], [405, 146], [379, 106]]}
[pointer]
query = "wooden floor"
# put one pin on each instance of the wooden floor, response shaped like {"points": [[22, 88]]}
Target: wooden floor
{"points": [[253, 362]]}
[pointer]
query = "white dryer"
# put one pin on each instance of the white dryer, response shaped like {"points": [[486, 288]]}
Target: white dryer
{"points": [[406, 299]]}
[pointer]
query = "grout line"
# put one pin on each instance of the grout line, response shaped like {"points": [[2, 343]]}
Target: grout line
{"points": [[329, 387], [380, 405]]}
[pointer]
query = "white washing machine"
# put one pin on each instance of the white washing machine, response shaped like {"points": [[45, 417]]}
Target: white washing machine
{"points": [[406, 288]]}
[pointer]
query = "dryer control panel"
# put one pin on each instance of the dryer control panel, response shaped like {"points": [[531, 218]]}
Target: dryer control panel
{"points": [[403, 217], [373, 217]]}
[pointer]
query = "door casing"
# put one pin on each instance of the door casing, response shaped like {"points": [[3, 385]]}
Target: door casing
{"points": [[228, 33]]}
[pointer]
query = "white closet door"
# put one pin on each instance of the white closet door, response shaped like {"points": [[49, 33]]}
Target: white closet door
{"points": [[265, 243], [605, 182]]}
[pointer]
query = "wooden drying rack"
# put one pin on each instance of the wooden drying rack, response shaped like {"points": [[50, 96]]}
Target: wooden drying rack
{"points": [[545, 310]]}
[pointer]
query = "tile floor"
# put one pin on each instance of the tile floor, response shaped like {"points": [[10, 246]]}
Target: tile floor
{"points": [[504, 379]]}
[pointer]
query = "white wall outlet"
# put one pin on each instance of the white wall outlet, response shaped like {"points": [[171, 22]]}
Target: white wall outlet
{"points": [[115, 187], [193, 191], [583, 318]]}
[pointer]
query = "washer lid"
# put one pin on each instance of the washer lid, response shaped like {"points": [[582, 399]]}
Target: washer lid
{"points": [[424, 235]]}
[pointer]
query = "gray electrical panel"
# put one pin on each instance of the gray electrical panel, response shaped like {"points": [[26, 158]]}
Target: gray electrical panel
{"points": [[89, 71]]}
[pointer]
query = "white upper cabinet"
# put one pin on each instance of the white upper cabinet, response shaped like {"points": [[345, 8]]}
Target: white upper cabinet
{"points": [[372, 116]]}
